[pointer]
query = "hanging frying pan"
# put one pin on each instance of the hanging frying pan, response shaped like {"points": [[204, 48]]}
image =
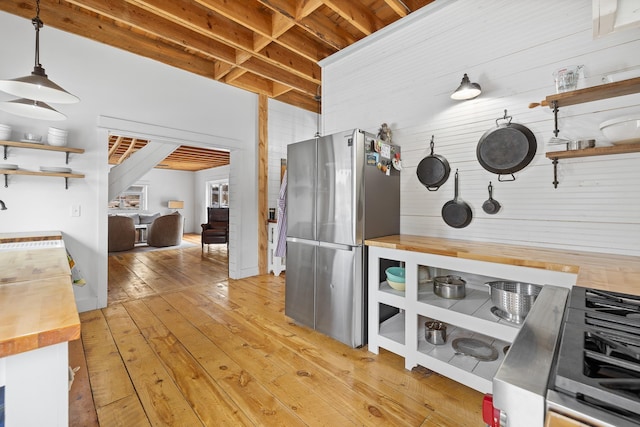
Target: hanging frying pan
{"points": [[507, 148], [491, 206], [433, 170], [456, 213]]}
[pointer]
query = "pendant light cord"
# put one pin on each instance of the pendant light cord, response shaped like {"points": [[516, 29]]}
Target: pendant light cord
{"points": [[37, 24]]}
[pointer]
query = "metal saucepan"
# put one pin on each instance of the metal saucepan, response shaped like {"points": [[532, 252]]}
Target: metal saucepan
{"points": [[435, 332], [491, 206], [453, 287], [456, 213], [433, 170], [507, 148]]}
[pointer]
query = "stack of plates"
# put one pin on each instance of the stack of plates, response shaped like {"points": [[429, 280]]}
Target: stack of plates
{"points": [[5, 132], [54, 169], [57, 137], [8, 166]]}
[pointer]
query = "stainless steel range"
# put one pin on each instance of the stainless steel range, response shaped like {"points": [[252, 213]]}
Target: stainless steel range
{"points": [[597, 371], [576, 358]]}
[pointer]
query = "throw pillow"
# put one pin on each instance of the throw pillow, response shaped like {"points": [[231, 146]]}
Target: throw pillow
{"points": [[148, 219]]}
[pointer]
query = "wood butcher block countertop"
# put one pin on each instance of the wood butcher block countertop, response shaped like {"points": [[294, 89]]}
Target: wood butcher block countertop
{"points": [[611, 272], [37, 305]]}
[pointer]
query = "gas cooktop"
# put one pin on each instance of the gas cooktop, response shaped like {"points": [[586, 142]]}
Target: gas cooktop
{"points": [[598, 361]]}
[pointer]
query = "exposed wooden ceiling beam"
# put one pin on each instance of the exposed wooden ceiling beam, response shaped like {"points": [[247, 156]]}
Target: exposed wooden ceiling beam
{"points": [[269, 47]]}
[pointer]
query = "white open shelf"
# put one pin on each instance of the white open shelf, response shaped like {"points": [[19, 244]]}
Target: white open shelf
{"points": [[471, 312], [444, 360], [392, 334], [390, 296]]}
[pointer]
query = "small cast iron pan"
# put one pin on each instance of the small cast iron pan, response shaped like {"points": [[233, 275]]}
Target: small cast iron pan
{"points": [[456, 213], [491, 206], [433, 170]]}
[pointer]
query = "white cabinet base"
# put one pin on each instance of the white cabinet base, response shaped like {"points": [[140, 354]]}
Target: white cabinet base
{"points": [[470, 317]]}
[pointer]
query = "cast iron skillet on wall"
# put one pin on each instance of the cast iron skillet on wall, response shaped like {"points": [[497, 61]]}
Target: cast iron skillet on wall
{"points": [[433, 170], [456, 213], [507, 148]]}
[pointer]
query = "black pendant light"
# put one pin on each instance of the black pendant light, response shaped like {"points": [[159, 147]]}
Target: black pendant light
{"points": [[36, 88]]}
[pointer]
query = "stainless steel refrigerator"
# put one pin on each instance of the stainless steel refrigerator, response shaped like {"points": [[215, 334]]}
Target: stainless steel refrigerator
{"points": [[339, 193]]}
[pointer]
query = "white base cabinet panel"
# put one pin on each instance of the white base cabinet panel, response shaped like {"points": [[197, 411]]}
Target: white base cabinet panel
{"points": [[471, 317], [274, 263], [37, 387]]}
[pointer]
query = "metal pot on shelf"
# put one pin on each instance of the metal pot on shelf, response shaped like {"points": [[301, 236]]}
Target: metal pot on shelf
{"points": [[435, 332], [450, 286]]}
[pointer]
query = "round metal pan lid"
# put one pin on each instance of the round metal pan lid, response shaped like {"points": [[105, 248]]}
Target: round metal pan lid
{"points": [[475, 348]]}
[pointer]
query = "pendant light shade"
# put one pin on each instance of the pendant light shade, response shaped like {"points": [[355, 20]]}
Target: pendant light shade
{"points": [[38, 86], [32, 109], [466, 90], [35, 89]]}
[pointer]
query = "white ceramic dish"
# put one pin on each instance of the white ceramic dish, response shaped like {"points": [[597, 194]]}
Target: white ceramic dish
{"points": [[32, 141], [54, 169], [396, 285], [8, 166], [622, 130]]}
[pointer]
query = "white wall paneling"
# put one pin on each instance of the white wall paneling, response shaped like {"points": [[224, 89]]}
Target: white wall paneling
{"points": [[287, 125], [405, 77]]}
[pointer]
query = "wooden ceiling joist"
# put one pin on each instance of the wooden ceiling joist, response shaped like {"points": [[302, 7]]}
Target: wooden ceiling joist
{"points": [[185, 158]]}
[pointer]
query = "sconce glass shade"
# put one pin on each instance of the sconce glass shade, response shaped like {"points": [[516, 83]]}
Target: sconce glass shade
{"points": [[32, 109], [38, 86], [466, 90], [176, 204]]}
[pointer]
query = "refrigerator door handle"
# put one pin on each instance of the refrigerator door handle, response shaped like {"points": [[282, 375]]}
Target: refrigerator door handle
{"points": [[350, 248], [304, 241]]}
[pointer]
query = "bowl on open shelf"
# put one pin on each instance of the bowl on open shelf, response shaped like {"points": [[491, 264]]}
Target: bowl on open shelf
{"points": [[395, 277], [5, 132], [622, 130]]}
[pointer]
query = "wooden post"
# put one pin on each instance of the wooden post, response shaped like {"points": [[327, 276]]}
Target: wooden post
{"points": [[263, 180]]}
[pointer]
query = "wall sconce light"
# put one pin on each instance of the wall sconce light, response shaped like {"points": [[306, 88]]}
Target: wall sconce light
{"points": [[466, 90], [176, 204]]}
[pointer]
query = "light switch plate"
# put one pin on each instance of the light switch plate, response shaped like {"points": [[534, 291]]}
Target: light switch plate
{"points": [[75, 210]]}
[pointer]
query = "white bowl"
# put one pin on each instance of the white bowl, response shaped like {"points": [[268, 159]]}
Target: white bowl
{"points": [[60, 142], [396, 285], [622, 130], [56, 131], [5, 134]]}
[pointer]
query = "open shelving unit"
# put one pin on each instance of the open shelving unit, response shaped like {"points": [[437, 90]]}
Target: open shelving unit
{"points": [[34, 146], [471, 316], [580, 96]]}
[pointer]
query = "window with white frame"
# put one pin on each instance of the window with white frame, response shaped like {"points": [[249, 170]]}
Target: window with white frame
{"points": [[133, 198], [218, 194]]}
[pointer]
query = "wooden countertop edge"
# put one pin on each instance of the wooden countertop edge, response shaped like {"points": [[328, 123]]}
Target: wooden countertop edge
{"points": [[612, 272], [34, 341], [30, 236], [458, 253]]}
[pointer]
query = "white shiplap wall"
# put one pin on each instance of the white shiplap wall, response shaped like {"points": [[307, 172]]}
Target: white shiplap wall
{"points": [[287, 124], [404, 77]]}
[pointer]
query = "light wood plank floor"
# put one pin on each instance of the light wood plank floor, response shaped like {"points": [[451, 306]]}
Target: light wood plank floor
{"points": [[181, 344]]}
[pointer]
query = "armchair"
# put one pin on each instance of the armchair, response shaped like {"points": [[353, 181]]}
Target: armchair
{"points": [[216, 230], [165, 230], [121, 233]]}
